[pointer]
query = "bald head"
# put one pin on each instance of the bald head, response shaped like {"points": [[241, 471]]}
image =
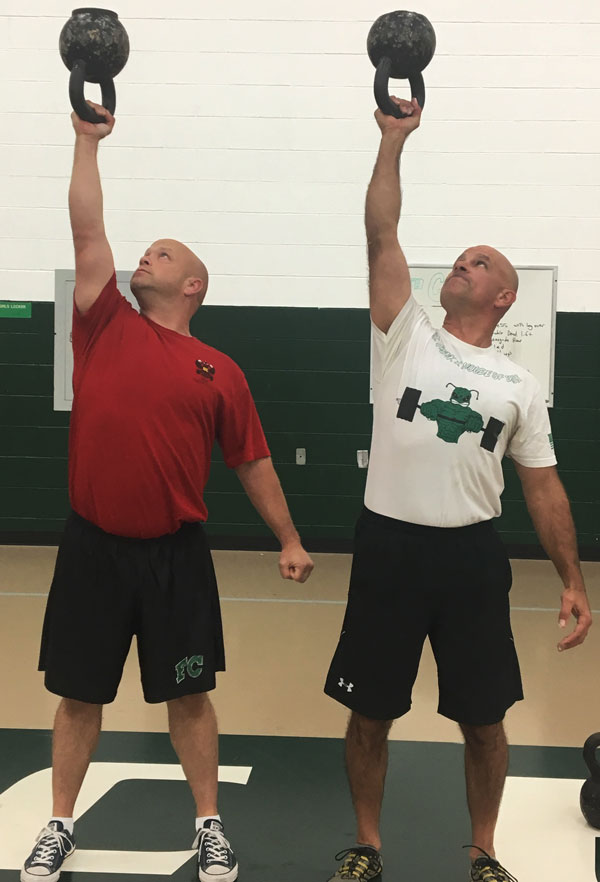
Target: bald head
{"points": [[171, 274], [190, 263], [482, 284], [506, 271]]}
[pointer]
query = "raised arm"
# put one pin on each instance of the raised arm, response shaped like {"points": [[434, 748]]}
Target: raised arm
{"points": [[93, 258], [389, 276]]}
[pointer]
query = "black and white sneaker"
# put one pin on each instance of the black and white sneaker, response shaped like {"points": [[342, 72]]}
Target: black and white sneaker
{"points": [[52, 847], [216, 860]]}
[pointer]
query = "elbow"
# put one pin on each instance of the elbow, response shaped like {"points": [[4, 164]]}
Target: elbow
{"points": [[379, 240], [86, 241], [82, 238]]}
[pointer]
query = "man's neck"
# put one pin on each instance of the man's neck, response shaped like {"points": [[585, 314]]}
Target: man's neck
{"points": [[469, 329], [179, 324]]}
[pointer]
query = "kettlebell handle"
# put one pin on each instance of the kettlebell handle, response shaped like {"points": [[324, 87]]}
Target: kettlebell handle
{"points": [[77, 97], [382, 91]]}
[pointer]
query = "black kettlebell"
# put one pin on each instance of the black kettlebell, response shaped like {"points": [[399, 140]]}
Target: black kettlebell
{"points": [[95, 47], [589, 798], [400, 45]]}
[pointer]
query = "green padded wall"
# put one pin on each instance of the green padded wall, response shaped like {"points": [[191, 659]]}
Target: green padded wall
{"points": [[308, 371]]}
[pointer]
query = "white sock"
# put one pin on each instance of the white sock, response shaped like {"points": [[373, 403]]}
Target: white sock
{"points": [[66, 822], [200, 821]]}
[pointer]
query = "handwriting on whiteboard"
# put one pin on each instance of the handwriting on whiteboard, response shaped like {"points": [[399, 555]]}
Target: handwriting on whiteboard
{"points": [[509, 336]]}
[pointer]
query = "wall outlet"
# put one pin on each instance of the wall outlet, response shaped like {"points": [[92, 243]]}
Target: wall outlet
{"points": [[362, 458], [300, 455]]}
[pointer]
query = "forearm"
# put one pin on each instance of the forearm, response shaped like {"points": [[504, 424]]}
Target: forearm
{"points": [[384, 199], [553, 522], [85, 192], [262, 486]]}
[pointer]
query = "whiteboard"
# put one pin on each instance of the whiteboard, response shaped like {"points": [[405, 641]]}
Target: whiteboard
{"points": [[525, 334]]}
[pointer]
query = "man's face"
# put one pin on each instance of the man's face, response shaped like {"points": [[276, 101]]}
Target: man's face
{"points": [[475, 280], [161, 269]]}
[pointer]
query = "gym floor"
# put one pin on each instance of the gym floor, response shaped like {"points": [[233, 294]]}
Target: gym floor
{"points": [[284, 797]]}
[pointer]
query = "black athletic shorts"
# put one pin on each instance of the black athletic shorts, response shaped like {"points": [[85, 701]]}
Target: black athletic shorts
{"points": [[409, 582], [106, 589]]}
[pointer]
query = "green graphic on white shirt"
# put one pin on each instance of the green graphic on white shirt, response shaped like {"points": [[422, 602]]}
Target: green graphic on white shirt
{"points": [[454, 416]]}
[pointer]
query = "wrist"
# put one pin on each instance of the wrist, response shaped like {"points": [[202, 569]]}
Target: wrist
{"points": [[573, 580], [289, 537], [87, 142], [575, 585], [394, 137]]}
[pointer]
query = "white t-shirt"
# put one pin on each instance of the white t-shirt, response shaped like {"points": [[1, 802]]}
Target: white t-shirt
{"points": [[445, 413]]}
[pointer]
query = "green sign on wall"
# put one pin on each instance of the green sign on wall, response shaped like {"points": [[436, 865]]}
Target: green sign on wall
{"points": [[14, 309]]}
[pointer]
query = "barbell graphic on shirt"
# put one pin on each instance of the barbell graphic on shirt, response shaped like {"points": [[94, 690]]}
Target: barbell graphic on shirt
{"points": [[454, 417]]}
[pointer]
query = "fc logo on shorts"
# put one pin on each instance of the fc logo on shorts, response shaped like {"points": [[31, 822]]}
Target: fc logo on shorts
{"points": [[192, 666], [347, 686]]}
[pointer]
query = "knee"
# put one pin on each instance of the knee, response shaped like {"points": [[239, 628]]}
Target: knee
{"points": [[189, 705], [484, 738], [367, 730], [80, 709]]}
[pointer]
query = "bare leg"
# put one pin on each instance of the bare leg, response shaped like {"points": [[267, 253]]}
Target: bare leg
{"points": [[194, 735], [366, 762], [486, 765], [76, 729]]}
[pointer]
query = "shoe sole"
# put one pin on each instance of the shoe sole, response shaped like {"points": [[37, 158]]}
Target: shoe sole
{"points": [[210, 877], [30, 877], [51, 877]]}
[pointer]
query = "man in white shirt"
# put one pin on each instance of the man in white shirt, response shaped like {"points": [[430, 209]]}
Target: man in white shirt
{"points": [[427, 560]]}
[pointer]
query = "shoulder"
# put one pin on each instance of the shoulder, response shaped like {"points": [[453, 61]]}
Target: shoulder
{"points": [[211, 358], [510, 370], [408, 317], [527, 385]]}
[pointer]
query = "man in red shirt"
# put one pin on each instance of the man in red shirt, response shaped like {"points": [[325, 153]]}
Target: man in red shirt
{"points": [[149, 402]]}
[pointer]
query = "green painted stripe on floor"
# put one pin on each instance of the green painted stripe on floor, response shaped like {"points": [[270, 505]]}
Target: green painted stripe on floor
{"points": [[293, 815]]}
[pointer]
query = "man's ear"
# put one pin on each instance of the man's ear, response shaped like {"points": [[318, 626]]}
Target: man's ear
{"points": [[505, 298], [194, 287]]}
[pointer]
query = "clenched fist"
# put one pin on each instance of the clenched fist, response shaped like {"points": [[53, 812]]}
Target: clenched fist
{"points": [[94, 130], [404, 125]]}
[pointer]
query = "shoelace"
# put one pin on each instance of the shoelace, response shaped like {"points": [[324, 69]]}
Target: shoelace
{"points": [[495, 872], [49, 843], [357, 863], [217, 847]]}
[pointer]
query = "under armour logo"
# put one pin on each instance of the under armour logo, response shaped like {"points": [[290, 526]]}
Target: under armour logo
{"points": [[349, 686]]}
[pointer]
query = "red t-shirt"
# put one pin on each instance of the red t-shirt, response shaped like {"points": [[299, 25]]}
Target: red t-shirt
{"points": [[148, 405]]}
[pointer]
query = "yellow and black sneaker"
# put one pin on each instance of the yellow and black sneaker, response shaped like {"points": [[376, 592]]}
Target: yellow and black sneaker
{"points": [[362, 863], [488, 869]]}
